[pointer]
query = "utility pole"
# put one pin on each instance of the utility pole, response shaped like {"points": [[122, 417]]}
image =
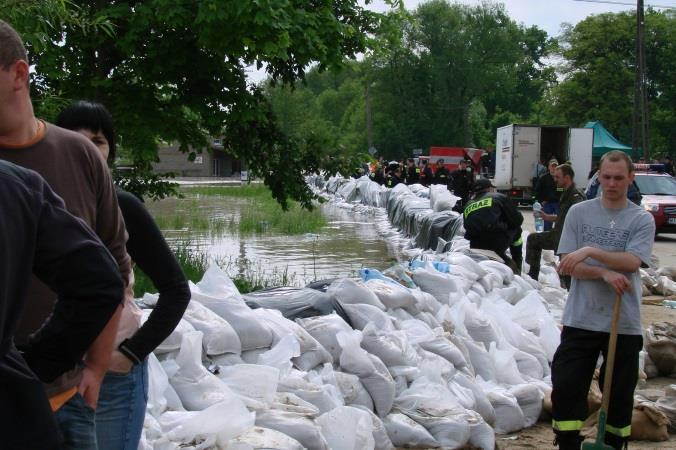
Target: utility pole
{"points": [[369, 122], [640, 138]]}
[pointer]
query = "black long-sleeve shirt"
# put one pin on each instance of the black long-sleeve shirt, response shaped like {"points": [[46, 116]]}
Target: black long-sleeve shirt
{"points": [[148, 249], [546, 190], [38, 235]]}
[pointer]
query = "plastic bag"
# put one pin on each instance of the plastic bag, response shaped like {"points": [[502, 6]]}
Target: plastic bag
{"points": [[264, 439], [354, 392], [391, 294], [347, 428], [292, 302], [300, 428], [173, 341], [482, 363], [325, 329], [219, 336], [255, 382], [460, 259], [381, 439], [251, 356], [506, 370], [450, 430], [217, 283], [508, 414], [405, 432], [529, 398], [392, 347], [347, 292], [280, 355], [324, 396], [481, 403], [287, 401], [360, 315], [436, 283]]}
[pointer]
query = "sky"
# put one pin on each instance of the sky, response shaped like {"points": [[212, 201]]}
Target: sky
{"points": [[546, 14]]}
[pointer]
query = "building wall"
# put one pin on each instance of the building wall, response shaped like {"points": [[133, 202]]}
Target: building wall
{"points": [[206, 164]]}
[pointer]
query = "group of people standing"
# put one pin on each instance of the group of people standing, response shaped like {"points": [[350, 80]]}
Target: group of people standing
{"points": [[73, 351]]}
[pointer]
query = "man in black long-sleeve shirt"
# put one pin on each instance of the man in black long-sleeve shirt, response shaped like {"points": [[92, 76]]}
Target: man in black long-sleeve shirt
{"points": [[38, 235], [548, 193]]}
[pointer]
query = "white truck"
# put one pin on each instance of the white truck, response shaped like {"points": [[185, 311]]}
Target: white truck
{"points": [[518, 148]]}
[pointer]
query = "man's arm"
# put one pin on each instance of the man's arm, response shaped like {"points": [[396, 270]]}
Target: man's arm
{"points": [[583, 271], [616, 261]]}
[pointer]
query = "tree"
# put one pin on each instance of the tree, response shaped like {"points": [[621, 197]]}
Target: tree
{"points": [[175, 70], [599, 73]]}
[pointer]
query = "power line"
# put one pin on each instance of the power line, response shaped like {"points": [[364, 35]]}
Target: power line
{"points": [[609, 2]]}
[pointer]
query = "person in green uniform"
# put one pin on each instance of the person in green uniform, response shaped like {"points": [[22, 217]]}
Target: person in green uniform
{"points": [[549, 240]]}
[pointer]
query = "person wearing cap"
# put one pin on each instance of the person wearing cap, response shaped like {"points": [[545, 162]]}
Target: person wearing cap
{"points": [[492, 222], [426, 175], [461, 183], [441, 173]]}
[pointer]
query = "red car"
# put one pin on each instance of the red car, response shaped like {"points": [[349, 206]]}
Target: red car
{"points": [[659, 198]]}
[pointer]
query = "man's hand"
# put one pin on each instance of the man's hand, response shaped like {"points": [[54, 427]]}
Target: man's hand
{"points": [[569, 261], [120, 363], [90, 385], [618, 282]]}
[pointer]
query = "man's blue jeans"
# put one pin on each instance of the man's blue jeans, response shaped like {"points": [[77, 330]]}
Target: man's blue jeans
{"points": [[121, 409], [77, 424]]}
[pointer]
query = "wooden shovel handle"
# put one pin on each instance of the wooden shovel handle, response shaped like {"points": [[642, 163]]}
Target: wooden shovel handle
{"points": [[610, 362]]}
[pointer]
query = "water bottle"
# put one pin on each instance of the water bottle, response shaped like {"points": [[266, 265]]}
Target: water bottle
{"points": [[537, 215]]}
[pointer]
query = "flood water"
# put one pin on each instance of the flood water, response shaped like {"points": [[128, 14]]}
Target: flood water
{"points": [[347, 243]]}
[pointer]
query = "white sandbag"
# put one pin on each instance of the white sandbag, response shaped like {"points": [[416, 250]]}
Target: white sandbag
{"points": [[505, 272], [216, 282], [478, 325], [347, 428], [428, 318], [391, 294], [482, 436], [294, 425], [325, 329], [380, 438], [360, 315], [251, 331], [324, 397], [482, 363], [264, 439], [405, 432], [226, 359], [549, 276], [460, 259], [158, 383], [219, 336], [440, 285], [370, 369], [286, 401], [255, 382], [481, 403], [508, 414], [222, 421], [400, 314], [392, 347], [530, 400], [195, 385], [529, 366], [348, 292], [425, 301], [173, 341], [439, 343], [312, 353], [506, 369], [464, 395], [354, 392], [251, 356], [450, 431]]}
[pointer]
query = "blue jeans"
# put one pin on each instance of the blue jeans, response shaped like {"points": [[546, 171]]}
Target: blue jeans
{"points": [[121, 409], [77, 424], [550, 208]]}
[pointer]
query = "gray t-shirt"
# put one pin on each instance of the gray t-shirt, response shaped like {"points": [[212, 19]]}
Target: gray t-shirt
{"points": [[590, 302]]}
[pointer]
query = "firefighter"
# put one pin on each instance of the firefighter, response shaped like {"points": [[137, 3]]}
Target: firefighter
{"points": [[426, 175], [393, 177], [412, 174], [461, 183], [441, 174], [492, 222]]}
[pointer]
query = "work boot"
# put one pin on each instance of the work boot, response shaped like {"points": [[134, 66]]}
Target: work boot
{"points": [[615, 441], [568, 440], [534, 273]]}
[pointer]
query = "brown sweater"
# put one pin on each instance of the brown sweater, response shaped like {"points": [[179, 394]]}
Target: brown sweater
{"points": [[75, 170]]}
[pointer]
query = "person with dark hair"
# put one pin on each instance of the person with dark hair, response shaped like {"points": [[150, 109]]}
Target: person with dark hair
{"points": [[668, 166], [549, 240], [122, 403], [441, 173], [393, 177], [547, 193], [38, 236], [492, 222], [603, 244], [461, 183], [412, 173], [75, 171], [426, 174]]}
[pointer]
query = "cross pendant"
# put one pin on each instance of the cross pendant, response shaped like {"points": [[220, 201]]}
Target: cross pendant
{"points": [[612, 224]]}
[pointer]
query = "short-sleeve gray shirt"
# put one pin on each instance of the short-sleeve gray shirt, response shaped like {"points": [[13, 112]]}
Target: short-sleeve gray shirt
{"points": [[590, 302]]}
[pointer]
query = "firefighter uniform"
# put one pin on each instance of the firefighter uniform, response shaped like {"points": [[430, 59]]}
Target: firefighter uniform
{"points": [[492, 222], [549, 240], [412, 174], [442, 175], [426, 175]]}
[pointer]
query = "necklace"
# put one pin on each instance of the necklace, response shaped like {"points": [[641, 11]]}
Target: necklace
{"points": [[611, 219]]}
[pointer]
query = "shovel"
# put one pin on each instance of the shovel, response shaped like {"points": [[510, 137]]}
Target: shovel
{"points": [[598, 444]]}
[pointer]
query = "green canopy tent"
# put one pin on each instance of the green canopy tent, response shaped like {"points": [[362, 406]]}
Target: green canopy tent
{"points": [[605, 142]]}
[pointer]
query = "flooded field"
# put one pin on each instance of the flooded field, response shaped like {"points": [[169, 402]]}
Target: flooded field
{"points": [[204, 223]]}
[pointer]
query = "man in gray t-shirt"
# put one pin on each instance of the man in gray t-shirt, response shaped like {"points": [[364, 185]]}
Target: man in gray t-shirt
{"points": [[603, 244]]}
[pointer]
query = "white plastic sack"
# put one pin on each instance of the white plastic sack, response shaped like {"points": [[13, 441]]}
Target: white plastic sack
{"points": [[354, 392], [255, 382], [173, 341], [219, 336], [481, 403], [286, 401], [347, 428], [381, 439], [325, 329], [299, 427], [392, 347], [508, 414], [482, 363], [360, 315], [450, 431], [440, 285], [506, 369], [405, 432], [281, 354], [324, 396], [465, 261], [263, 439], [348, 291], [391, 294], [530, 400]]}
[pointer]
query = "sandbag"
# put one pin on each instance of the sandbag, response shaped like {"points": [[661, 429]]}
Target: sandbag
{"points": [[440, 285], [293, 302], [392, 347], [661, 346], [294, 425], [324, 396], [360, 315], [482, 363], [354, 392], [347, 428], [508, 414], [405, 432], [648, 423], [255, 382], [481, 403], [450, 431], [325, 329], [287, 401], [530, 400], [219, 336], [264, 439], [391, 294], [667, 405], [173, 341], [380, 438], [348, 292]]}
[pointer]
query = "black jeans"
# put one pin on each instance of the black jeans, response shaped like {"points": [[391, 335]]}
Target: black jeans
{"points": [[572, 371]]}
